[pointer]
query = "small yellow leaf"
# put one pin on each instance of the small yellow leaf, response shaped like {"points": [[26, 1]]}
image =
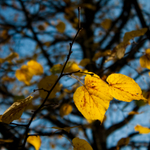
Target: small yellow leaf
{"points": [[73, 67], [93, 99], [61, 27], [34, 67], [15, 110], [124, 88], [132, 34], [47, 83], [56, 68], [23, 74], [9, 58], [80, 144], [134, 113], [141, 129], [106, 24], [145, 59], [65, 109], [84, 62], [35, 141], [123, 141]]}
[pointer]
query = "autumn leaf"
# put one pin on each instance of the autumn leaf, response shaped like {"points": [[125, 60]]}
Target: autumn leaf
{"points": [[92, 99], [123, 141], [124, 88], [23, 74], [145, 59], [65, 109], [135, 33], [61, 27], [81, 144], [34, 67], [84, 62], [26, 72], [106, 24], [47, 83], [141, 129], [15, 111], [35, 141]]}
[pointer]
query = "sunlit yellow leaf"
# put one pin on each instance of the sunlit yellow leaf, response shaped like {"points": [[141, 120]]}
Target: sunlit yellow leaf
{"points": [[23, 74], [47, 83], [106, 24], [35, 68], [80, 144], [61, 27], [84, 62], [15, 110], [145, 59], [35, 141], [65, 109], [92, 99], [141, 129], [123, 141], [124, 88]]}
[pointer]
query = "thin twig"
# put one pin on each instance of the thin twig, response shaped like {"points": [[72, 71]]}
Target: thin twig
{"points": [[49, 92]]}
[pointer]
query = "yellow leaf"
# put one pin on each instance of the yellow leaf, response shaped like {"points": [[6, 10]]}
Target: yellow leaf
{"points": [[134, 113], [35, 141], [2, 141], [106, 24], [145, 59], [8, 79], [123, 141], [23, 74], [67, 129], [9, 58], [92, 99], [47, 83], [141, 129], [65, 109], [61, 27], [41, 27], [15, 110], [84, 62], [132, 34], [80, 144], [56, 68], [124, 88], [34, 67], [73, 67]]}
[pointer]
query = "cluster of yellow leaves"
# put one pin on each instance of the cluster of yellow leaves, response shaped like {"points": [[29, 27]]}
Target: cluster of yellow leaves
{"points": [[93, 98], [35, 141], [119, 50], [26, 72], [15, 111], [141, 129]]}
